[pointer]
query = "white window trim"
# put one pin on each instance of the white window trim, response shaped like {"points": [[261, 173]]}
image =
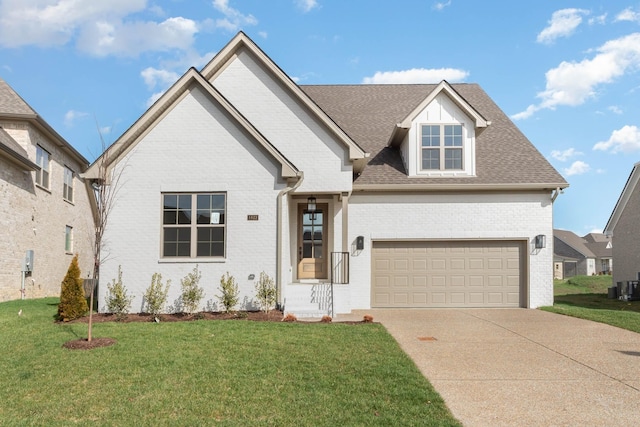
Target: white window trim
{"points": [[42, 170], [194, 228], [68, 189], [68, 239], [468, 152]]}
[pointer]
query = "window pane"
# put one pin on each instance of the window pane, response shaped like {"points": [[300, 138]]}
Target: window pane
{"points": [[453, 135], [430, 136], [431, 159], [453, 158], [184, 201], [177, 241], [170, 217], [170, 201], [184, 216], [210, 241]]}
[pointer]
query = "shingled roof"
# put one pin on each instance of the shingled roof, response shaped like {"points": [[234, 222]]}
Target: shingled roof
{"points": [[11, 103], [369, 114]]}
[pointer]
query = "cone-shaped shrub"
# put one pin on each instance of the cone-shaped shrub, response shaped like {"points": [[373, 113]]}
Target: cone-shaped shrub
{"points": [[72, 301]]}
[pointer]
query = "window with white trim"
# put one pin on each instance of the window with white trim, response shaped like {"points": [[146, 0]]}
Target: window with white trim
{"points": [[42, 159], [193, 225], [442, 147], [68, 239], [67, 188]]}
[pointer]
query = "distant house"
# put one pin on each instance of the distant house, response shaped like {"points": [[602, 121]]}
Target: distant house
{"points": [[624, 228], [44, 204], [349, 196], [574, 255]]}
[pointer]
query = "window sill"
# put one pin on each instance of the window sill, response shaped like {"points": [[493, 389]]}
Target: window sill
{"points": [[192, 260], [69, 201], [43, 188]]}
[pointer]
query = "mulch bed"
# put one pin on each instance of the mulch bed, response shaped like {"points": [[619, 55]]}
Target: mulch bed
{"points": [[256, 316]]}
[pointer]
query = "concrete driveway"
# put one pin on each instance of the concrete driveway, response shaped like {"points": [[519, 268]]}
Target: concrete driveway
{"points": [[518, 367]]}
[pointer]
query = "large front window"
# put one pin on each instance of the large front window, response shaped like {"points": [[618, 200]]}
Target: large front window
{"points": [[42, 160], [193, 225], [442, 147]]}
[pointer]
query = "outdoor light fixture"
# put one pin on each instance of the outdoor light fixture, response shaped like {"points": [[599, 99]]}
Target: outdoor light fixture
{"points": [[311, 204], [540, 241]]}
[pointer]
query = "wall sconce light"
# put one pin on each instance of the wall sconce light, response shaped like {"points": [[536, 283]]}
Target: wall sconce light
{"points": [[540, 241], [311, 205]]}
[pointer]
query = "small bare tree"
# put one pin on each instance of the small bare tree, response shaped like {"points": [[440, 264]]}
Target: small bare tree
{"points": [[105, 184]]}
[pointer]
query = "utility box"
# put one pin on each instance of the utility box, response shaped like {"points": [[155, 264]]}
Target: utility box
{"points": [[27, 262], [629, 290]]}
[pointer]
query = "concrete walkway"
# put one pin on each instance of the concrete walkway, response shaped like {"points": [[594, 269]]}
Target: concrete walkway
{"points": [[518, 367]]}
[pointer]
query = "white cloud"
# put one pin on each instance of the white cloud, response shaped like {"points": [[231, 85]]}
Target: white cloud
{"points": [[614, 109], [56, 22], [417, 75], [563, 23], [72, 116], [625, 139], [104, 38], [573, 83], [565, 155], [577, 168], [95, 27], [628, 15], [441, 5], [306, 5], [233, 19], [601, 19], [153, 98], [154, 77]]}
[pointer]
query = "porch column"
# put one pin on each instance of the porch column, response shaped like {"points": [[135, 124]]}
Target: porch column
{"points": [[345, 221]]}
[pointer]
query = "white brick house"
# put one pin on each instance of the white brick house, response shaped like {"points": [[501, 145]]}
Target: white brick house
{"points": [[44, 204], [391, 195]]}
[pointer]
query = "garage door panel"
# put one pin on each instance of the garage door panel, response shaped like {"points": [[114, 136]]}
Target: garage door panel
{"points": [[447, 274]]}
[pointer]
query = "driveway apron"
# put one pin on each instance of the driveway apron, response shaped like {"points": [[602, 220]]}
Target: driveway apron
{"points": [[519, 367]]}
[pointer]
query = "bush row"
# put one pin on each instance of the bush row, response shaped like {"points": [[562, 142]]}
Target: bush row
{"points": [[118, 300]]}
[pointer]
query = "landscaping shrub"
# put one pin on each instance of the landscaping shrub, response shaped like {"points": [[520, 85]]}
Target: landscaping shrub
{"points": [[156, 295], [229, 292], [192, 294], [118, 302], [72, 304], [266, 292]]}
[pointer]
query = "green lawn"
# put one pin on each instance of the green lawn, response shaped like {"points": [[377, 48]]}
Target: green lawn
{"points": [[225, 373], [586, 297]]}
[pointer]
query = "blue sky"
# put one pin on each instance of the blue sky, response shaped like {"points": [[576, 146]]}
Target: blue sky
{"points": [[566, 72]]}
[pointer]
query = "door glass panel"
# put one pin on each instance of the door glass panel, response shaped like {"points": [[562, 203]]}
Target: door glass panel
{"points": [[312, 234]]}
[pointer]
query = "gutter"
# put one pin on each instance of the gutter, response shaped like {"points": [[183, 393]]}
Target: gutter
{"points": [[281, 194], [407, 187]]}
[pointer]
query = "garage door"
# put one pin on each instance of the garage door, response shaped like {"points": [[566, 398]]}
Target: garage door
{"points": [[447, 274]]}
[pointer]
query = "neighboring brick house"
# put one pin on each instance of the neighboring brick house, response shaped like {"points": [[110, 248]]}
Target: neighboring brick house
{"points": [[574, 255], [624, 229], [44, 205], [400, 195]]}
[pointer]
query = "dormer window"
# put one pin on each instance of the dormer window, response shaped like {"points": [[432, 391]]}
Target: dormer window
{"points": [[442, 147]]}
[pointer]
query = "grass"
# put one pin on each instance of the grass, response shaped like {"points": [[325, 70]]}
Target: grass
{"points": [[225, 373], [586, 297]]}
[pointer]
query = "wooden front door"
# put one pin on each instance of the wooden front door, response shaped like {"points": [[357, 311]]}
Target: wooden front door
{"points": [[312, 242]]}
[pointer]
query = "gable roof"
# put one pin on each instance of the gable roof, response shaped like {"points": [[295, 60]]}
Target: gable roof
{"points": [[574, 241], [592, 245], [12, 151], [621, 204], [369, 114], [403, 127], [242, 42], [162, 107], [13, 107]]}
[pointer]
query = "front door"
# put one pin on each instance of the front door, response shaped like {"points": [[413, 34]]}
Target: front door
{"points": [[312, 242]]}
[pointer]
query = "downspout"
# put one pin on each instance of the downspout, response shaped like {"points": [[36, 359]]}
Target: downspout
{"points": [[279, 237]]}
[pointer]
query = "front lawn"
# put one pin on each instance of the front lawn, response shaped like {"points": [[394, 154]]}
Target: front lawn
{"points": [[587, 297], [226, 372]]}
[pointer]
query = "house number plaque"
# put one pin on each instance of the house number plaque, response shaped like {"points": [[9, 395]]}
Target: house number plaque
{"points": [[252, 217]]}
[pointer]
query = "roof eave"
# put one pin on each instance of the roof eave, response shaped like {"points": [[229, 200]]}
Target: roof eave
{"points": [[436, 187], [17, 159]]}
